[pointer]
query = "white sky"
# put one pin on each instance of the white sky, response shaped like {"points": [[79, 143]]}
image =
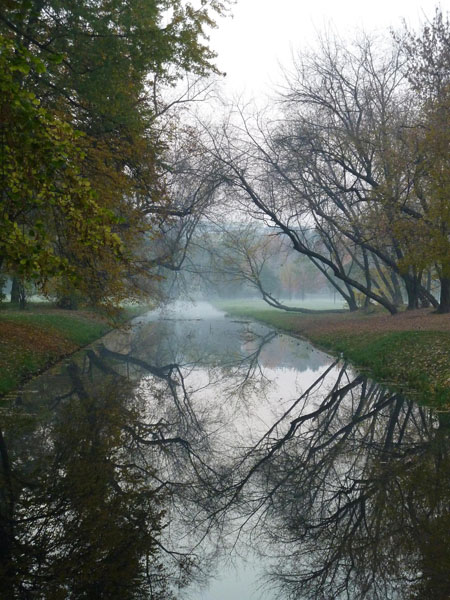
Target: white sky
{"points": [[263, 33]]}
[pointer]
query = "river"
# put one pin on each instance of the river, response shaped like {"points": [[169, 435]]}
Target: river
{"points": [[203, 457]]}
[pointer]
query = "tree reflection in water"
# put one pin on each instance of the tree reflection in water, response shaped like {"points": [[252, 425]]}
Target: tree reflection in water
{"points": [[113, 481], [82, 505], [352, 496]]}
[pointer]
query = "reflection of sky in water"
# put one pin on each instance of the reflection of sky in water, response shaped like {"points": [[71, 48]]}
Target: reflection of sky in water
{"points": [[181, 337], [243, 381], [240, 583], [242, 376]]}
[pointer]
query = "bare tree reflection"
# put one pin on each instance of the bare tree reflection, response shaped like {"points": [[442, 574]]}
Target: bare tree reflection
{"points": [[352, 495], [124, 478], [93, 474]]}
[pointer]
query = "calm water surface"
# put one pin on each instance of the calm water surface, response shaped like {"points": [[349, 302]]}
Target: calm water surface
{"points": [[211, 458]]}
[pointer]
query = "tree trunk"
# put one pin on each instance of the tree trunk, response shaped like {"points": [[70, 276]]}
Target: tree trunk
{"points": [[425, 293], [367, 276], [348, 296], [22, 298], [412, 291], [424, 302], [444, 303], [15, 291], [18, 294], [397, 297], [352, 304], [429, 279], [68, 302], [2, 285]]}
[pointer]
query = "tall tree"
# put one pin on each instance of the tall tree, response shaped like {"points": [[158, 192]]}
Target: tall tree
{"points": [[428, 71], [101, 68], [51, 222]]}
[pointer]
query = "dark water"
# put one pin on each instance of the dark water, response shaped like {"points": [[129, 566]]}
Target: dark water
{"points": [[199, 457]]}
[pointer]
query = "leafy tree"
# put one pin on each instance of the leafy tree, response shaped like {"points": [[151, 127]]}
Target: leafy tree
{"points": [[51, 222], [97, 68], [105, 64]]}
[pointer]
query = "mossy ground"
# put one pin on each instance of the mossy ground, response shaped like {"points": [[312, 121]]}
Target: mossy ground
{"points": [[409, 352]]}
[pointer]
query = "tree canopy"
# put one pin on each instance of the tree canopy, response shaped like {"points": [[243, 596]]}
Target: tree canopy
{"points": [[82, 149]]}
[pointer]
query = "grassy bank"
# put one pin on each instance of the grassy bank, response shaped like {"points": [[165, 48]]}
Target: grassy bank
{"points": [[33, 339], [409, 352]]}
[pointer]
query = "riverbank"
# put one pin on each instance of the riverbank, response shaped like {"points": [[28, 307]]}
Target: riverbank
{"points": [[409, 352], [32, 340]]}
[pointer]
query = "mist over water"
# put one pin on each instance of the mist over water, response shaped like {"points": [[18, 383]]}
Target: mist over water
{"points": [[182, 309]]}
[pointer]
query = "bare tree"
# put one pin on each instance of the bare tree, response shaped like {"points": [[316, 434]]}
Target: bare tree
{"points": [[248, 173], [339, 161]]}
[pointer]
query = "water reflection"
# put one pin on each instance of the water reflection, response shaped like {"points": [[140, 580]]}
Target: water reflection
{"points": [[132, 470], [80, 512], [351, 494]]}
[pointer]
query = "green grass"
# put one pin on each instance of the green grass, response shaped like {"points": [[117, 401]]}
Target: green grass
{"points": [[413, 362], [289, 322], [33, 339], [20, 369], [416, 363], [72, 328], [258, 304]]}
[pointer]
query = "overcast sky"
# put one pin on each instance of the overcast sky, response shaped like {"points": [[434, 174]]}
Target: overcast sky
{"points": [[263, 33]]}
